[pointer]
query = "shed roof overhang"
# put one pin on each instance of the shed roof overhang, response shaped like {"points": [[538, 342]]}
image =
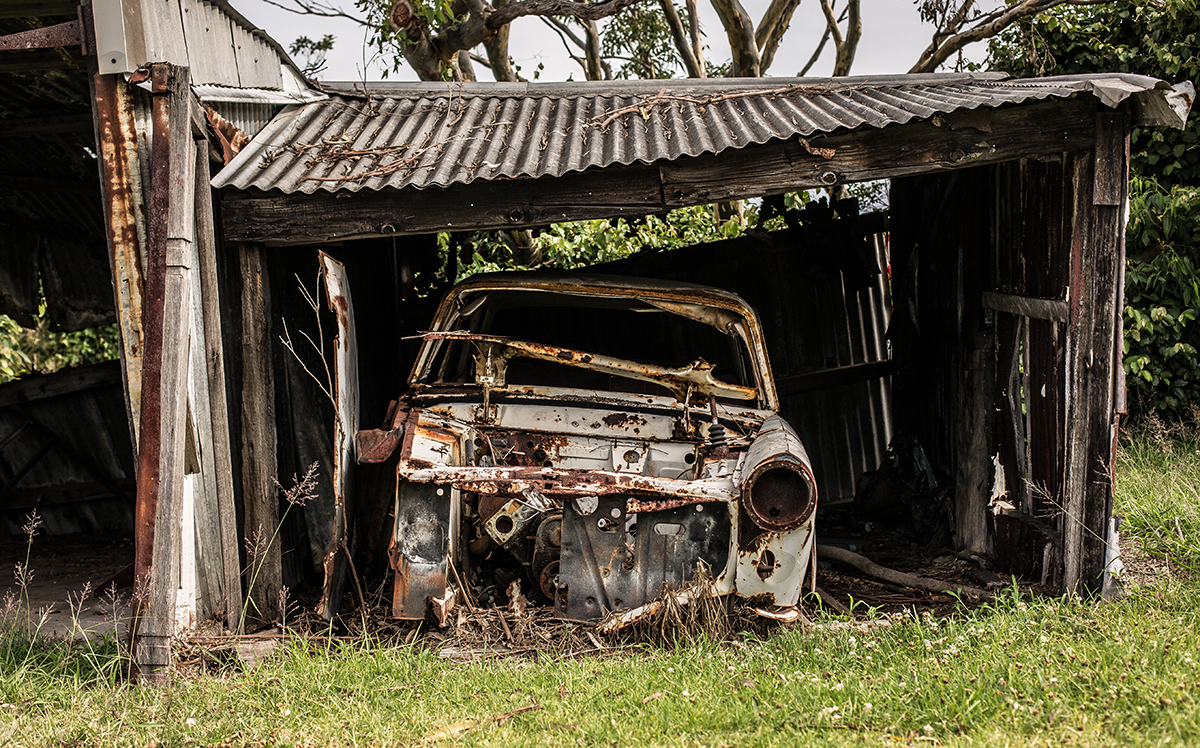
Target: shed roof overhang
{"points": [[420, 158]]}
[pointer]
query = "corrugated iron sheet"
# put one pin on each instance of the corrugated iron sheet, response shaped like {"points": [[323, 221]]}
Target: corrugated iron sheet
{"points": [[423, 135], [65, 450]]}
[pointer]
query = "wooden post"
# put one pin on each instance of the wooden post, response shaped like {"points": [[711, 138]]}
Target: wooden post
{"points": [[264, 569], [1100, 182], [230, 596], [164, 425]]}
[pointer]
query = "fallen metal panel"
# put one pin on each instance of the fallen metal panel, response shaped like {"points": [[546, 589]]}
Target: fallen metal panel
{"points": [[345, 392]]}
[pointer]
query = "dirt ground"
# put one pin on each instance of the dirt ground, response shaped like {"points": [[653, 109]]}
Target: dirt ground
{"points": [[63, 567]]}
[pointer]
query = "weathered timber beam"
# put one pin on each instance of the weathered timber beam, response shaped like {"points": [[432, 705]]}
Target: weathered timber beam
{"points": [[1092, 361], [320, 217], [863, 155], [259, 438], [161, 448], [218, 408], [773, 168], [37, 8], [32, 126], [834, 377], [1053, 310]]}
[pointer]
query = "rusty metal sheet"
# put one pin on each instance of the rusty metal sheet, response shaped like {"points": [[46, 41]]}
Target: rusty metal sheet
{"points": [[69, 34], [420, 550], [613, 559], [345, 392]]}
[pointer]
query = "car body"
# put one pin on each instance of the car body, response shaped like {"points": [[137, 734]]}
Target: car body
{"points": [[596, 439]]}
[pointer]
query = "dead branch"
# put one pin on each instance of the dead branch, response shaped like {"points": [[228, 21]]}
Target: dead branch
{"points": [[816, 55], [870, 568], [694, 34]]}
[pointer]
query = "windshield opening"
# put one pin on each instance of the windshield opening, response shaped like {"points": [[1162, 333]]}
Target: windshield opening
{"points": [[617, 327]]}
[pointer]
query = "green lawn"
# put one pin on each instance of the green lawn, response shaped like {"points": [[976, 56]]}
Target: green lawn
{"points": [[1018, 671]]}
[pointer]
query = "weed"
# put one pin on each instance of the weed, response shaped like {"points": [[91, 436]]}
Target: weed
{"points": [[258, 544]]}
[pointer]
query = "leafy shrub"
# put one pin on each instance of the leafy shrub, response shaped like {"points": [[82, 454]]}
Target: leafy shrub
{"points": [[43, 351], [1162, 291], [1162, 273]]}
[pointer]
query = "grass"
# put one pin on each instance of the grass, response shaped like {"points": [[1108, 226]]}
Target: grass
{"points": [[1019, 671]]}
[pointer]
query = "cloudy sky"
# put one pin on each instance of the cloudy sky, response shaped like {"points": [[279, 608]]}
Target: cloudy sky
{"points": [[893, 37]]}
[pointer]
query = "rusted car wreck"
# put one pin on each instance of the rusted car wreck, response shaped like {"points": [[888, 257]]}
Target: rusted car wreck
{"points": [[599, 438]]}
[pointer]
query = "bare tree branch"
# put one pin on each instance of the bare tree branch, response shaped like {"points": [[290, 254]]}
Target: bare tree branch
{"points": [[816, 55], [313, 8], [771, 27], [563, 8], [679, 35], [694, 33], [590, 61], [740, 30], [497, 52], [846, 45], [951, 39], [597, 67]]}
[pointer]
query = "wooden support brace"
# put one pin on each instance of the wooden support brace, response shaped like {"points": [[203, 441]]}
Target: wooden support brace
{"points": [[164, 422]]}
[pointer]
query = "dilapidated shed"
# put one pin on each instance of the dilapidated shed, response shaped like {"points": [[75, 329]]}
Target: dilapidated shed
{"points": [[981, 316]]}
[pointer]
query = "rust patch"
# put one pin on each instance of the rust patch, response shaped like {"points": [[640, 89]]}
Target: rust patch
{"points": [[231, 138], [634, 505], [376, 445], [619, 420]]}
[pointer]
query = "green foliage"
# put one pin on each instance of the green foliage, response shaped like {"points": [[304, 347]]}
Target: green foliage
{"points": [[311, 53], [573, 245], [1162, 293], [641, 39], [44, 351], [1158, 39]]}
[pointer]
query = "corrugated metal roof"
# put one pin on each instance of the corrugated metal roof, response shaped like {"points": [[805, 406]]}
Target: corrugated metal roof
{"points": [[422, 135]]}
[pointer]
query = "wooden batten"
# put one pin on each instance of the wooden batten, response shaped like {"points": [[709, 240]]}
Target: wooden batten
{"points": [[225, 522], [259, 464]]}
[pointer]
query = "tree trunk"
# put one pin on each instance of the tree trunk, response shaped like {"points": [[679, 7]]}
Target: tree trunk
{"points": [[740, 30]]}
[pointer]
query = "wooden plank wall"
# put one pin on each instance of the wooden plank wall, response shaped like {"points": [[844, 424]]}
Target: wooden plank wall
{"points": [[941, 240], [1031, 258], [1008, 282]]}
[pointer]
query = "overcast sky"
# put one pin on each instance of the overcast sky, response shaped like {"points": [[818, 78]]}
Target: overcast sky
{"points": [[893, 37]]}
